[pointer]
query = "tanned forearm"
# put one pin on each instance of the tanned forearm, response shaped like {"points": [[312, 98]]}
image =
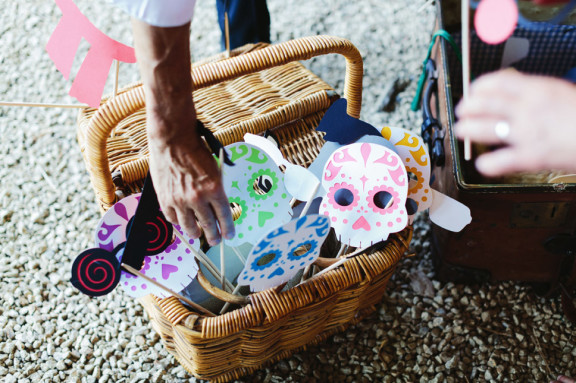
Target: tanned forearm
{"points": [[163, 57], [186, 176]]}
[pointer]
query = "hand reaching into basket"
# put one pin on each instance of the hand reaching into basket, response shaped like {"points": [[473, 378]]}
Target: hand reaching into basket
{"points": [[185, 174], [533, 117]]}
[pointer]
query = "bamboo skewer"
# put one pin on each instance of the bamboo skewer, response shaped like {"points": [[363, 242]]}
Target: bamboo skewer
{"points": [[203, 258], [222, 266], [310, 199], [239, 255], [302, 214], [43, 105], [466, 66], [116, 78], [167, 289], [234, 292], [222, 254], [227, 34]]}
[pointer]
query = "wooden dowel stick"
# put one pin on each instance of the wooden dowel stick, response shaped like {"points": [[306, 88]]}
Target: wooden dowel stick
{"points": [[222, 266], [203, 258], [43, 105], [167, 289], [222, 253], [116, 78], [239, 255], [466, 66], [235, 292], [342, 250], [227, 34], [341, 261], [310, 199]]}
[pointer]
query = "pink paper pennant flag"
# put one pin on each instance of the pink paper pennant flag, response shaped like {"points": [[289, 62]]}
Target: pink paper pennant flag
{"points": [[89, 83]]}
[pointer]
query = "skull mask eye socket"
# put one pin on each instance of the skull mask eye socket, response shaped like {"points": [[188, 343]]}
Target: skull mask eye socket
{"points": [[411, 206], [344, 197], [383, 199]]}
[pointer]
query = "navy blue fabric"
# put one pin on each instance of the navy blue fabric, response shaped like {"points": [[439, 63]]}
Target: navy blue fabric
{"points": [[248, 21], [552, 52]]}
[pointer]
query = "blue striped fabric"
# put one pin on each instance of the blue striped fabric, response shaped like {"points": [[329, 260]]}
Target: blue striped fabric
{"points": [[552, 52]]}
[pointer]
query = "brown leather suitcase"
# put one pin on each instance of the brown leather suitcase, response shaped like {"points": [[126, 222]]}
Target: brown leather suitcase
{"points": [[519, 231]]}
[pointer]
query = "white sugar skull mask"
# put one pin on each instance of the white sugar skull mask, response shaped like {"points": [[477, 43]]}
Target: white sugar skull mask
{"points": [[261, 205], [366, 188]]}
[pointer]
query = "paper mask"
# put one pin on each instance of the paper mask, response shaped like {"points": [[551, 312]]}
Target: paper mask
{"points": [[173, 267], [299, 181], [281, 253], [367, 187], [256, 185], [90, 80], [414, 154]]}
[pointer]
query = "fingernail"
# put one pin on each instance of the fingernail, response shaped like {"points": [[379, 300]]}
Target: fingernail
{"points": [[229, 235], [214, 242]]}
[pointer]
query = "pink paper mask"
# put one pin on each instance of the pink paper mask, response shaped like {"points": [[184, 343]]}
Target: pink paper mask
{"points": [[366, 187], [88, 85]]}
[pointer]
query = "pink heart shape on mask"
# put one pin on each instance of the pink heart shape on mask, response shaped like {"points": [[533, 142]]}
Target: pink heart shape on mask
{"points": [[361, 223], [167, 270]]}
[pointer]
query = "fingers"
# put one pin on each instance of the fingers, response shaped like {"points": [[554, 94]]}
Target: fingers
{"points": [[507, 160], [221, 208], [187, 220], [563, 379], [483, 130], [207, 221]]}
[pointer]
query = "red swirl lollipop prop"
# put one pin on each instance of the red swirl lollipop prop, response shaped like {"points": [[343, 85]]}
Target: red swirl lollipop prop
{"points": [[95, 272]]}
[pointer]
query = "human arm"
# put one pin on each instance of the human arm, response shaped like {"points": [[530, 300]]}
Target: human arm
{"points": [[186, 176], [540, 112]]}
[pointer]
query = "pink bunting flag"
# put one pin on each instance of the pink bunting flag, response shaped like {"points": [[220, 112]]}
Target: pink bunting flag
{"points": [[90, 80]]}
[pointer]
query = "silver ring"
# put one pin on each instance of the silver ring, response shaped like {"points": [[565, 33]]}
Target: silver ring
{"points": [[502, 130]]}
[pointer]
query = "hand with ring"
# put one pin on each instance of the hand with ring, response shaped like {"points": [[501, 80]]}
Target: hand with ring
{"points": [[532, 119]]}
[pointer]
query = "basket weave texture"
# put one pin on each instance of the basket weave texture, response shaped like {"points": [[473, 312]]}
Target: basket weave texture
{"points": [[257, 88]]}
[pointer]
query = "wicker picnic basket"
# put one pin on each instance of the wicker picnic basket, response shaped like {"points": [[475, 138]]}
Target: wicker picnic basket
{"points": [[256, 89]]}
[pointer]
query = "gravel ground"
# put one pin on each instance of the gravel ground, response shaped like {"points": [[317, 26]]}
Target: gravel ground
{"points": [[424, 330]]}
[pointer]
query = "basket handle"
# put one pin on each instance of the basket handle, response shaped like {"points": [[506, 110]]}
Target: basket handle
{"points": [[113, 111]]}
